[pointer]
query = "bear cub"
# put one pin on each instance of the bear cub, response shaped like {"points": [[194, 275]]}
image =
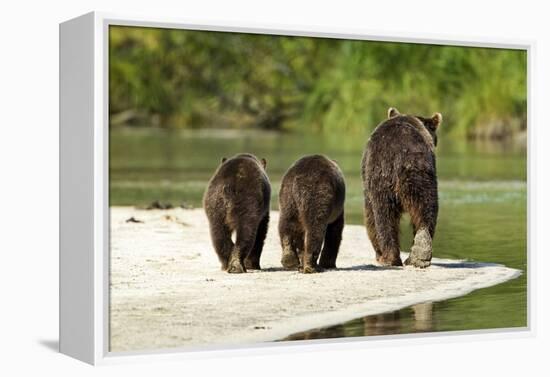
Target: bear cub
{"points": [[311, 204], [237, 201], [399, 175]]}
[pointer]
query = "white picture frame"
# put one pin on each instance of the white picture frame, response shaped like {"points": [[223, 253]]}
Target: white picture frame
{"points": [[84, 194]]}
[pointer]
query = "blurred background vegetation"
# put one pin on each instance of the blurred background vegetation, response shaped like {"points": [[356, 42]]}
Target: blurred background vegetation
{"points": [[187, 79]]}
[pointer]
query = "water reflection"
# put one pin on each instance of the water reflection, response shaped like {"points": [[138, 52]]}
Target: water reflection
{"points": [[423, 314], [417, 318], [380, 324]]}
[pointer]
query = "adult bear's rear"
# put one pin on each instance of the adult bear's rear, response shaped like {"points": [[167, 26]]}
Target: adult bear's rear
{"points": [[399, 175]]}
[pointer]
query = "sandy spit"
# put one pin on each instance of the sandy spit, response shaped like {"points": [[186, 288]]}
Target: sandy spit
{"points": [[167, 289]]}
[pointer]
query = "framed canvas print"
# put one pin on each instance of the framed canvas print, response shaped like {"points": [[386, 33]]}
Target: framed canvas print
{"points": [[226, 188]]}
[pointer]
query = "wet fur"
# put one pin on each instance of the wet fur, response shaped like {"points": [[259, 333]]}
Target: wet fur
{"points": [[399, 175], [237, 200], [311, 204]]}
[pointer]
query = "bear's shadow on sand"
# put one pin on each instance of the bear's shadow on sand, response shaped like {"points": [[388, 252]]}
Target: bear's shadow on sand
{"points": [[372, 267], [363, 267], [272, 269], [366, 267]]}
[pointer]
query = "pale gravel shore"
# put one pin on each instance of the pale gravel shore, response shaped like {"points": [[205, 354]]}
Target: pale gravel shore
{"points": [[167, 289]]}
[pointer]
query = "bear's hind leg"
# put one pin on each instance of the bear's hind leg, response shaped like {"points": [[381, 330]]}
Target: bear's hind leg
{"points": [[290, 232], [252, 260], [423, 217], [387, 216], [333, 237], [246, 235], [314, 237], [221, 240], [371, 228]]}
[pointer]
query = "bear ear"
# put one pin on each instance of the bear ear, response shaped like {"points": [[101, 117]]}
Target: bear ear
{"points": [[264, 162], [392, 112], [437, 118], [224, 159]]}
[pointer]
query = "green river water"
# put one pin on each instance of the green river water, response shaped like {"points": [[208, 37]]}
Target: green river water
{"points": [[482, 216]]}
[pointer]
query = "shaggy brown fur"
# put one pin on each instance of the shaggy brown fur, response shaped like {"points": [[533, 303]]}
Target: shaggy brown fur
{"points": [[237, 200], [311, 204], [398, 171]]}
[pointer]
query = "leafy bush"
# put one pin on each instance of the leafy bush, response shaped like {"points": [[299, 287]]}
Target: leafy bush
{"points": [[184, 79]]}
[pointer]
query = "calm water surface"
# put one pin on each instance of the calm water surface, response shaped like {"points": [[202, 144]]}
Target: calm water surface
{"points": [[483, 209]]}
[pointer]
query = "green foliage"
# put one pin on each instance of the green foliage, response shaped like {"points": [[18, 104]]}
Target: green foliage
{"points": [[184, 79]]}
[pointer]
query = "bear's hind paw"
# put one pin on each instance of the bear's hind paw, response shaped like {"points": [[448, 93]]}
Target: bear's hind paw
{"points": [[311, 269], [236, 268], [417, 263]]}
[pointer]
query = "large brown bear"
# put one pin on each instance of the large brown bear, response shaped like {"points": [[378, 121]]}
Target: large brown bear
{"points": [[398, 171], [237, 200], [311, 204]]}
